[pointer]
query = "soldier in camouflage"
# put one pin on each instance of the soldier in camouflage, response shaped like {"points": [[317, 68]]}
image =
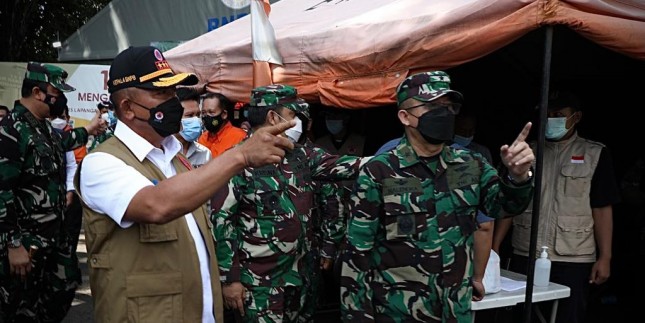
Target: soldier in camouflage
{"points": [[328, 223], [409, 255], [39, 272], [106, 108], [264, 228]]}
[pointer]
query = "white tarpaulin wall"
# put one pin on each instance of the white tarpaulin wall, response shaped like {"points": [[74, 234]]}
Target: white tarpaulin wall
{"points": [[353, 53], [124, 23]]}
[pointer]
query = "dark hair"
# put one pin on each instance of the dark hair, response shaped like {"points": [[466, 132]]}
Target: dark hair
{"points": [[105, 105], [258, 115], [337, 113], [560, 99], [187, 94], [28, 85], [226, 103], [4, 107], [64, 112]]}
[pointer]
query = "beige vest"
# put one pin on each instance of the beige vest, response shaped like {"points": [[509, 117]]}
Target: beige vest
{"points": [[147, 272], [566, 224]]}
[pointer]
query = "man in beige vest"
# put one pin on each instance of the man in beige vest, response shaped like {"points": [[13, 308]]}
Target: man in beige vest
{"points": [[575, 223], [150, 251]]}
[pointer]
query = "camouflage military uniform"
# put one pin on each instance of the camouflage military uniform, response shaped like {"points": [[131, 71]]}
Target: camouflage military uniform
{"points": [[329, 229], [32, 201], [264, 227], [101, 138], [409, 236]]}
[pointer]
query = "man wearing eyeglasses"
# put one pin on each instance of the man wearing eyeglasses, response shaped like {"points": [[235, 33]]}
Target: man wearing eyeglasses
{"points": [[409, 253]]}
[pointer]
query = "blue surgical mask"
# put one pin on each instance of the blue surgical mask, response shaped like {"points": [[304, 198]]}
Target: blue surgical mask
{"points": [[556, 128], [462, 141], [334, 126], [191, 128]]}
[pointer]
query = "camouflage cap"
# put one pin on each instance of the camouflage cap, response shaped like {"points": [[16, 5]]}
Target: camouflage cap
{"points": [[426, 87], [48, 73], [279, 95]]}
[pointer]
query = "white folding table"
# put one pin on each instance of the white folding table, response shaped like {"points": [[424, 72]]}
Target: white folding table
{"points": [[503, 298]]}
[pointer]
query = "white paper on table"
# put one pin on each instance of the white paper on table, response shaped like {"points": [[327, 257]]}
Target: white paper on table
{"points": [[510, 285]]}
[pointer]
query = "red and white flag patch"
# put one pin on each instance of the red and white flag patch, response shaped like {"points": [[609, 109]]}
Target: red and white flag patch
{"points": [[578, 159]]}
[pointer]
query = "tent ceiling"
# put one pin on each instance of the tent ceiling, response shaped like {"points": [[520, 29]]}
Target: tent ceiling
{"points": [[354, 53]]}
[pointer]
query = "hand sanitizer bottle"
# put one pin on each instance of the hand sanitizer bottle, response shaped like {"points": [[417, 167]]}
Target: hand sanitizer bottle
{"points": [[542, 269]]}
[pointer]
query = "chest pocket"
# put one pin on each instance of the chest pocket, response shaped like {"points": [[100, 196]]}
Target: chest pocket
{"points": [[269, 189], [406, 208], [300, 168], [44, 161], [464, 194], [577, 178], [152, 233]]}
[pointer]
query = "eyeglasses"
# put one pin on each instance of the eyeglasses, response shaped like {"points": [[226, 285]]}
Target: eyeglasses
{"points": [[452, 107]]}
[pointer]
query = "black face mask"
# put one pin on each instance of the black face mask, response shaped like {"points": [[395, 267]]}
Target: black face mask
{"points": [[437, 126], [166, 117], [213, 124], [56, 104]]}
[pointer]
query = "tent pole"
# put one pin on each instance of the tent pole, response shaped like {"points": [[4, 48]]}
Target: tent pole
{"points": [[544, 96]]}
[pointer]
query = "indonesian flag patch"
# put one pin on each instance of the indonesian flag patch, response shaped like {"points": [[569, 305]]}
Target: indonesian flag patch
{"points": [[578, 159]]}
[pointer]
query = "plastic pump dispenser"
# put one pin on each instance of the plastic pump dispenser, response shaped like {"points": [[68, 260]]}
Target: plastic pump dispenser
{"points": [[542, 269]]}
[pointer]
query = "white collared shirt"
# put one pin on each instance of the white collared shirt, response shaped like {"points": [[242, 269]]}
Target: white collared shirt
{"points": [[198, 154], [70, 169], [108, 186]]}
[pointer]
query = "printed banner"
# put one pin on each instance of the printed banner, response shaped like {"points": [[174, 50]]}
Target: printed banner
{"points": [[90, 82]]}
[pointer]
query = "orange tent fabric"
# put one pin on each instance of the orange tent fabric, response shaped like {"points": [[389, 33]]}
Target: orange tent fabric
{"points": [[353, 53]]}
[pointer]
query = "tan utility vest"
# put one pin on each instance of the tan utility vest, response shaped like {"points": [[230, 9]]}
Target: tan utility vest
{"points": [[147, 272], [566, 225]]}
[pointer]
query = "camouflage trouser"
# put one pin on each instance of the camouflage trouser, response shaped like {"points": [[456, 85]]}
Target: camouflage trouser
{"points": [[273, 304], [49, 289], [310, 284], [437, 304]]}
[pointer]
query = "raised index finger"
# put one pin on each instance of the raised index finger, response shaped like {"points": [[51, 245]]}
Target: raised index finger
{"points": [[523, 134]]}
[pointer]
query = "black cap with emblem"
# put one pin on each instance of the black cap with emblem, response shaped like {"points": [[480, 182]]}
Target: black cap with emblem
{"points": [[144, 67]]}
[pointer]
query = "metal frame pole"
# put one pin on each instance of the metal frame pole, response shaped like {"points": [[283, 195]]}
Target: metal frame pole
{"points": [[544, 96]]}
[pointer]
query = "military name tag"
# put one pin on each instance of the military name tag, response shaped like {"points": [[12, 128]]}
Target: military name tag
{"points": [[393, 186], [405, 224], [268, 170], [298, 166]]}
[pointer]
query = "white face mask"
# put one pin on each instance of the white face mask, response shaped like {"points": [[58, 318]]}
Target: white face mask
{"points": [[294, 132], [59, 123]]}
